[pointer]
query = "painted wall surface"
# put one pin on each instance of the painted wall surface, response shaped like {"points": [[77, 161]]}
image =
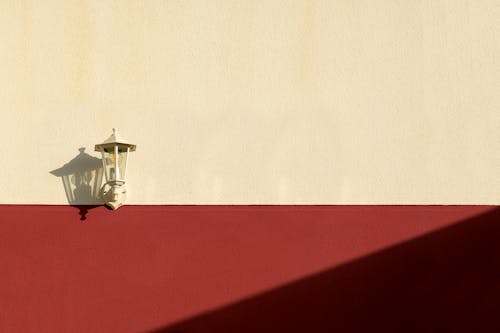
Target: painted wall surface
{"points": [[243, 102], [250, 269]]}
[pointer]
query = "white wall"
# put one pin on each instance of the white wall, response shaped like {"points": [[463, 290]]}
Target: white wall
{"points": [[338, 102]]}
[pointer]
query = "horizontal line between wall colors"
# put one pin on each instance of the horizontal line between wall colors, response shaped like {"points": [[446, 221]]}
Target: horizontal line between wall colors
{"points": [[493, 201], [263, 207]]}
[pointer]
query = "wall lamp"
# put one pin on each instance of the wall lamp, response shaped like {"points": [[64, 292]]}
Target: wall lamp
{"points": [[114, 152]]}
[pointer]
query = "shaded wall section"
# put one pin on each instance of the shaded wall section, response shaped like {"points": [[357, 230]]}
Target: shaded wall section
{"points": [[249, 269]]}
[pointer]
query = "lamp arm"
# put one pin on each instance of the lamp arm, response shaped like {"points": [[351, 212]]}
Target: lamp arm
{"points": [[113, 193]]}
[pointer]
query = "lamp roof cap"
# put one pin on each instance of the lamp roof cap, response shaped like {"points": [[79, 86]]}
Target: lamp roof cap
{"points": [[114, 139]]}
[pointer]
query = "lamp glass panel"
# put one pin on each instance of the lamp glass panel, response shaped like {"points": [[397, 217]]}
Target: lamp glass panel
{"points": [[108, 157], [122, 162], [114, 166]]}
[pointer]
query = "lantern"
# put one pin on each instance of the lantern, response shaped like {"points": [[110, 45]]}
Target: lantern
{"points": [[114, 162]]}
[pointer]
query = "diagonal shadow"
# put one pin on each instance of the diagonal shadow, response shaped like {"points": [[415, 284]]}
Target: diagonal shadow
{"points": [[445, 281]]}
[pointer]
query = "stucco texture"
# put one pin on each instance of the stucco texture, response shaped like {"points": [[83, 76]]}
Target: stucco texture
{"points": [[251, 102]]}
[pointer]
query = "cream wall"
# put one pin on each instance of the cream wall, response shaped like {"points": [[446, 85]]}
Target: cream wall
{"points": [[338, 102]]}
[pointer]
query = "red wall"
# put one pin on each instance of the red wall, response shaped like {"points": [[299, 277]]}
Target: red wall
{"points": [[249, 268]]}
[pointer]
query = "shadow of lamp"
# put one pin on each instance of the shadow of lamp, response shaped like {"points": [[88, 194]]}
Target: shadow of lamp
{"points": [[114, 152], [82, 179]]}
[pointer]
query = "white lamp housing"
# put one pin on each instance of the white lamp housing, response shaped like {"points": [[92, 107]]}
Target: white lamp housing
{"points": [[114, 152]]}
